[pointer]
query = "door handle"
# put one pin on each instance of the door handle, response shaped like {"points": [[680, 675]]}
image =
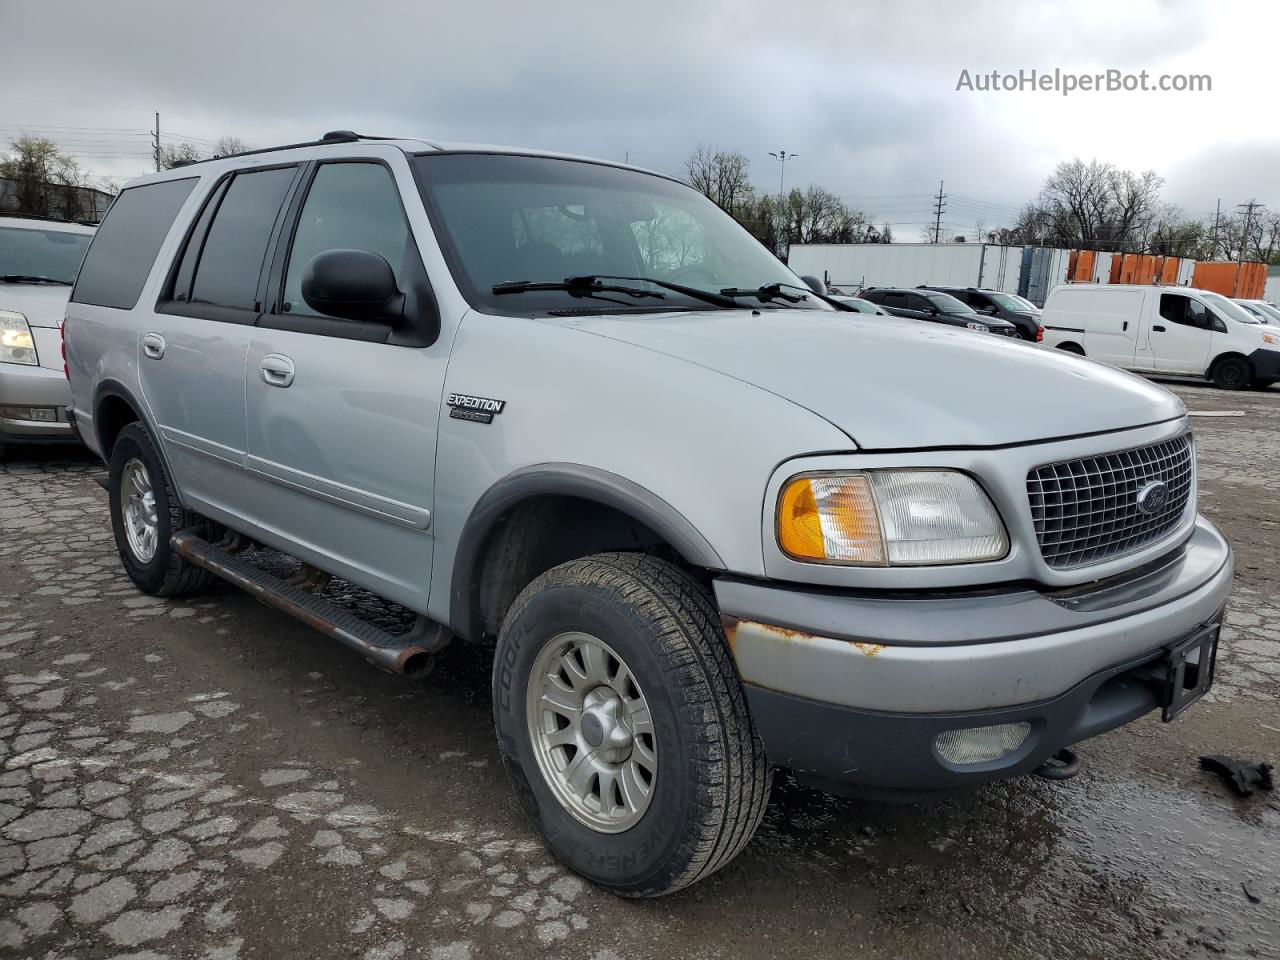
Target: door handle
{"points": [[277, 370], [1158, 329], [1124, 326], [153, 345]]}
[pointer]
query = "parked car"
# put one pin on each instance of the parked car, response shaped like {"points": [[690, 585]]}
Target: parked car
{"points": [[707, 533], [994, 303], [922, 304], [1266, 312], [38, 263], [863, 306], [1183, 331]]}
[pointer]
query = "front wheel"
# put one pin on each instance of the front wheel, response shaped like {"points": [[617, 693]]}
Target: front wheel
{"points": [[623, 725]]}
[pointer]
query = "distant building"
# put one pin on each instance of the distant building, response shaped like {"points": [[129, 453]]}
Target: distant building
{"points": [[54, 200]]}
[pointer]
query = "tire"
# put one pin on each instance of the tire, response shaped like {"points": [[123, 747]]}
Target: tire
{"points": [[163, 573], [710, 779], [1231, 373], [1072, 348]]}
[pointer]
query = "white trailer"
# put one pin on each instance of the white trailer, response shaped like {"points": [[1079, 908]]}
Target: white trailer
{"points": [[1029, 271], [858, 265]]}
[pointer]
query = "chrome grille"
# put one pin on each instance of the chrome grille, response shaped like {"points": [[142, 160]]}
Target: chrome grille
{"points": [[1086, 511]]}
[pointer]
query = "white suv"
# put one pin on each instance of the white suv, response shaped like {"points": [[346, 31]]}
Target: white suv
{"points": [[38, 263]]}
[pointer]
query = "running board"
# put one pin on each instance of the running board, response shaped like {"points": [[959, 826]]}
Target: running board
{"points": [[397, 654]]}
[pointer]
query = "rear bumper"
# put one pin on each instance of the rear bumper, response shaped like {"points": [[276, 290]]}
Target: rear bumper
{"points": [[23, 387], [854, 689]]}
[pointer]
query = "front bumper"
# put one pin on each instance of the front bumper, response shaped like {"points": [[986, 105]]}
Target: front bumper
{"points": [[853, 688], [1266, 364], [28, 386]]}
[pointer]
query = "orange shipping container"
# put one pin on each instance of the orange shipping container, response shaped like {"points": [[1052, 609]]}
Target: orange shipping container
{"points": [[1246, 281]]}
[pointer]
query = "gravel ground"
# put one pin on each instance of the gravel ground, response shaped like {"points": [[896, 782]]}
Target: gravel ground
{"points": [[206, 778]]}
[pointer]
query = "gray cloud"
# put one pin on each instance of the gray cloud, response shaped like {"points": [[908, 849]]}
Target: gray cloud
{"points": [[864, 93]]}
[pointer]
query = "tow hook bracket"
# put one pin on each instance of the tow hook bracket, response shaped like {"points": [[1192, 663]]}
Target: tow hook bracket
{"points": [[1063, 765]]}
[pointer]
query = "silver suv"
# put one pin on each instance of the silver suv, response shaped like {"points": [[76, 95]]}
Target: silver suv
{"points": [[712, 522]]}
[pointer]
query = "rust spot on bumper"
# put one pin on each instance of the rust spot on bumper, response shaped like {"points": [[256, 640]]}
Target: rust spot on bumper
{"points": [[870, 649]]}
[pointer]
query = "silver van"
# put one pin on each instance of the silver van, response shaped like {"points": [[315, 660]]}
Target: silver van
{"points": [[711, 522]]}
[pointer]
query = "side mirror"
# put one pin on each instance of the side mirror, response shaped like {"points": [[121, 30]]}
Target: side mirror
{"points": [[352, 284], [816, 285]]}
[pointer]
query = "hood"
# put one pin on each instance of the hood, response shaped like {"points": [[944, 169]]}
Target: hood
{"points": [[43, 304], [891, 383]]}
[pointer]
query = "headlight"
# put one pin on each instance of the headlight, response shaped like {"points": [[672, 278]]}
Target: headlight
{"points": [[889, 518], [16, 344]]}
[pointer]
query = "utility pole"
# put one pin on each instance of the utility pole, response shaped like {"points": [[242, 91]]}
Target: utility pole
{"points": [[157, 139], [1247, 209], [939, 205], [1217, 219]]}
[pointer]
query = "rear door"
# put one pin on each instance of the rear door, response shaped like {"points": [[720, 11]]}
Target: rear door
{"points": [[343, 414], [1181, 333], [193, 345]]}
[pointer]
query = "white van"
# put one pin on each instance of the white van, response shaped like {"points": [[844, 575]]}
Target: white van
{"points": [[1168, 330]]}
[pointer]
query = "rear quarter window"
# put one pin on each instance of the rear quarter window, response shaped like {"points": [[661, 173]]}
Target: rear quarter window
{"points": [[125, 246]]}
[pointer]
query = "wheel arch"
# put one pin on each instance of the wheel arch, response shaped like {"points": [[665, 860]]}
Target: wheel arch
{"points": [[1227, 355], [500, 550], [115, 407]]}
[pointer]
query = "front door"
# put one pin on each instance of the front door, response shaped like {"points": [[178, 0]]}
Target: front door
{"points": [[1179, 335], [342, 415]]}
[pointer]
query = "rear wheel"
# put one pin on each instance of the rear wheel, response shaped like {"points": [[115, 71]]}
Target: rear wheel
{"points": [[623, 725], [145, 514], [1231, 373]]}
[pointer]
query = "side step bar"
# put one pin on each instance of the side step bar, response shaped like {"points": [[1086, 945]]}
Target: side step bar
{"points": [[410, 654]]}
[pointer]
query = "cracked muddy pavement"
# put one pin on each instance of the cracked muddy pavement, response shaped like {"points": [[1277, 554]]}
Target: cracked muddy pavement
{"points": [[207, 778]]}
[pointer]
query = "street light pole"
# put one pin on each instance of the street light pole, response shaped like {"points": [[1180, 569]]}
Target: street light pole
{"points": [[782, 157]]}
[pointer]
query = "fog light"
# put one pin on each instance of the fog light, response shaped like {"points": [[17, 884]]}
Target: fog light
{"points": [[40, 414], [981, 744]]}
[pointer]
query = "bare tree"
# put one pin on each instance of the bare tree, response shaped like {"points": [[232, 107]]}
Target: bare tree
{"points": [[179, 154], [226, 146], [721, 176], [46, 181]]}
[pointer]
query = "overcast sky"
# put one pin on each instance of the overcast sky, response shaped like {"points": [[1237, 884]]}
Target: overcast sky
{"points": [[864, 93]]}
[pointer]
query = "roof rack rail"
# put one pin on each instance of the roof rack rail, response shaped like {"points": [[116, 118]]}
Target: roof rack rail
{"points": [[333, 136]]}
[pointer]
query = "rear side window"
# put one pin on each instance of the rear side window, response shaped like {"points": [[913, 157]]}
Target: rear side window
{"points": [[230, 260], [125, 247]]}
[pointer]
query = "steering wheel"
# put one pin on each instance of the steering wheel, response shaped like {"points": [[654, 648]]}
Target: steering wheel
{"points": [[691, 272]]}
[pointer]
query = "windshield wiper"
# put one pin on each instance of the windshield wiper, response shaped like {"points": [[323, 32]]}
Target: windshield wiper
{"points": [[768, 292], [706, 296], [594, 283], [32, 278], [577, 286]]}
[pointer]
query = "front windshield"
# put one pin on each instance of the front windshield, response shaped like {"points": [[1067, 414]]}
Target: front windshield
{"points": [[1016, 304], [509, 218], [946, 303], [55, 254], [1229, 308]]}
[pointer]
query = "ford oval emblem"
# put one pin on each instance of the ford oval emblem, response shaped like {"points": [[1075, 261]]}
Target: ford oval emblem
{"points": [[1153, 497]]}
